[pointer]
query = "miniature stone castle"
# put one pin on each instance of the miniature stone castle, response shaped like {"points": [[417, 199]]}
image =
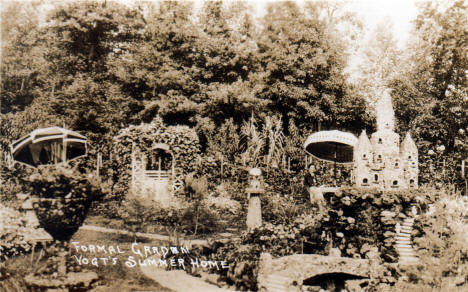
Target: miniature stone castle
{"points": [[381, 161]]}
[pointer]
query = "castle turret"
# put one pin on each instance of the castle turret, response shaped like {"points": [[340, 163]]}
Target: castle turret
{"points": [[362, 159], [409, 156]]}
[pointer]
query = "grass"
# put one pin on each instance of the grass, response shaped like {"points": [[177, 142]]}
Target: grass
{"points": [[116, 277]]}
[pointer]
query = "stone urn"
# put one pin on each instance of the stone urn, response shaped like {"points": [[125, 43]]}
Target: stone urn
{"points": [[61, 200], [61, 217]]}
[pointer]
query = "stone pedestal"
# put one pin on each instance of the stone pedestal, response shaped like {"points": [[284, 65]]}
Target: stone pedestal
{"points": [[254, 211]]}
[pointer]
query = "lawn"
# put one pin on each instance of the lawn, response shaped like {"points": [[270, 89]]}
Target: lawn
{"points": [[116, 277]]}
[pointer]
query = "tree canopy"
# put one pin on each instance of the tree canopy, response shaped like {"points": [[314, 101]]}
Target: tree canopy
{"points": [[99, 67]]}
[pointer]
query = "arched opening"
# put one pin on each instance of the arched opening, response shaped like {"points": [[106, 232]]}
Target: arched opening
{"points": [[395, 183], [332, 281], [376, 177], [411, 182], [365, 181], [380, 140], [159, 159], [364, 156]]}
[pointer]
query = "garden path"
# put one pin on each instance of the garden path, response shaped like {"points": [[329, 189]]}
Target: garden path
{"points": [[179, 280], [152, 236]]}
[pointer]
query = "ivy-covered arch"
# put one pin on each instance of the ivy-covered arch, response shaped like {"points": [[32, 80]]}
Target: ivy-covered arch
{"points": [[182, 140]]}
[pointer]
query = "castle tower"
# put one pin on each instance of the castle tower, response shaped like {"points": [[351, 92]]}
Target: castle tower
{"points": [[381, 162], [409, 156], [362, 160], [386, 170]]}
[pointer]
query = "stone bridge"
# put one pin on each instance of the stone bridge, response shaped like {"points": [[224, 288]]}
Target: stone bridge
{"points": [[289, 273]]}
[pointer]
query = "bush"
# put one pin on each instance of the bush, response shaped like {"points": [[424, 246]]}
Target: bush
{"points": [[11, 183], [12, 233], [278, 209], [442, 248], [63, 199], [190, 217]]}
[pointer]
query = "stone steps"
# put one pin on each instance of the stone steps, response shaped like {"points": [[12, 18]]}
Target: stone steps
{"points": [[403, 242]]}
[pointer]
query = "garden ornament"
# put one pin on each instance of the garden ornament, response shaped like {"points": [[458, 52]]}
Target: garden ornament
{"points": [[254, 212]]}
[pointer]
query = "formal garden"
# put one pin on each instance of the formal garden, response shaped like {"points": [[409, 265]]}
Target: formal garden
{"points": [[137, 140]]}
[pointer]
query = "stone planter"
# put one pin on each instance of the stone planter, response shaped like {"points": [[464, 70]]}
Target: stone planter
{"points": [[61, 217]]}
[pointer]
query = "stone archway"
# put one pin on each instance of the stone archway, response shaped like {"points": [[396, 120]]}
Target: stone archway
{"points": [[290, 273]]}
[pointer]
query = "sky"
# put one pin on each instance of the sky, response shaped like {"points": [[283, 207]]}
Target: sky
{"points": [[401, 13], [371, 12]]}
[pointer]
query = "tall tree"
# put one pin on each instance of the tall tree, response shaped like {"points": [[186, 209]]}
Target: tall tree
{"points": [[304, 61], [378, 62], [21, 54], [430, 93], [159, 71], [228, 61]]}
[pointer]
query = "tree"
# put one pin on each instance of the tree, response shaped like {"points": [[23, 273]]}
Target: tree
{"points": [[303, 59], [379, 62], [158, 71], [21, 54], [228, 62], [430, 93]]}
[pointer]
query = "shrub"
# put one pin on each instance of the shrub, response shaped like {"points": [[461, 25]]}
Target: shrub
{"points": [[11, 183], [442, 248], [278, 209], [12, 233], [64, 197]]}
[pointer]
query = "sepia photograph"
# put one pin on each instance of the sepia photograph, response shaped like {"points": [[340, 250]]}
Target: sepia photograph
{"points": [[233, 145]]}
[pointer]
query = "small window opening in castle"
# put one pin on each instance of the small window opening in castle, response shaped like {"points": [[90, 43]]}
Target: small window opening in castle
{"points": [[409, 157], [396, 164], [364, 181], [380, 140], [411, 182], [364, 156], [376, 177], [395, 182]]}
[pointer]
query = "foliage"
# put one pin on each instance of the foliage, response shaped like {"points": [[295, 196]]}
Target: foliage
{"points": [[13, 231], [182, 140], [11, 184], [429, 93], [191, 218], [442, 247], [138, 214], [63, 197]]}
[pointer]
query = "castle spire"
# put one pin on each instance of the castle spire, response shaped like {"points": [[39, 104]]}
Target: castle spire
{"points": [[408, 145], [384, 112]]}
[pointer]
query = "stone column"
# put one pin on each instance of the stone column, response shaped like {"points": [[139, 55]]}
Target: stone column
{"points": [[254, 212]]}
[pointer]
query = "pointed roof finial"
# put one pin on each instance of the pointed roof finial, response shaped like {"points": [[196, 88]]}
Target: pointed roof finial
{"points": [[408, 144], [384, 112]]}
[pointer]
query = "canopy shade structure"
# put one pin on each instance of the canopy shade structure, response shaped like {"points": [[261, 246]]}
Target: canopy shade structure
{"points": [[334, 146], [48, 146]]}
